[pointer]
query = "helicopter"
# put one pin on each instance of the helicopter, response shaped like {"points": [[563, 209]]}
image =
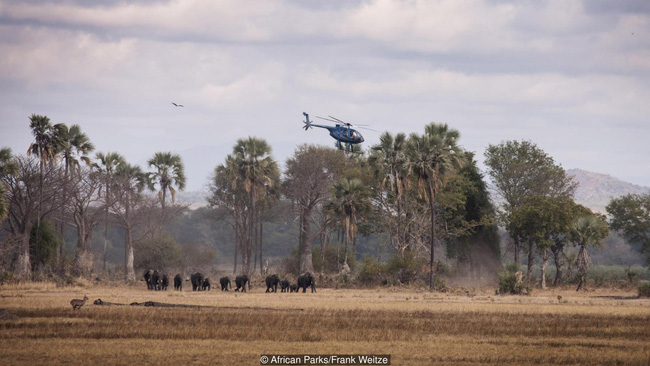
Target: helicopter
{"points": [[342, 132]]}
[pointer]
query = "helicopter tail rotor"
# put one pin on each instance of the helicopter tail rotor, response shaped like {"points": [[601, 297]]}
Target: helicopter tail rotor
{"points": [[307, 122]]}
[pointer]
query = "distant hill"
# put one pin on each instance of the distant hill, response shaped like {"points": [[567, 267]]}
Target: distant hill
{"points": [[597, 190]]}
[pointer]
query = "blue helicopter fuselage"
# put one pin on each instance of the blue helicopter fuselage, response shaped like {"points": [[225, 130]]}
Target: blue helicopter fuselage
{"points": [[342, 133]]}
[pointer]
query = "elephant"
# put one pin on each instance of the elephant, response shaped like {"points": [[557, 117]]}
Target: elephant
{"points": [[164, 283], [284, 285], [197, 281], [293, 288], [307, 280], [155, 280], [178, 282], [225, 283], [272, 283], [240, 282], [206, 284], [147, 278]]}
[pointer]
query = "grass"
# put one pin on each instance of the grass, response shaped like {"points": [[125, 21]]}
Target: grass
{"points": [[415, 327]]}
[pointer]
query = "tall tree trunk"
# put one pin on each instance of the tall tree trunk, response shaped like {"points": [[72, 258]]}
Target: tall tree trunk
{"points": [[260, 243], [531, 258], [106, 226], [24, 264], [544, 263], [557, 252], [305, 245], [38, 218], [234, 270], [432, 203], [517, 243], [129, 272]]}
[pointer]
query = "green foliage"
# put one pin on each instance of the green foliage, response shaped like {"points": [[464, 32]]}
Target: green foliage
{"points": [[405, 268], [330, 262], [630, 215], [161, 253], [644, 289], [49, 241], [510, 281], [372, 271]]}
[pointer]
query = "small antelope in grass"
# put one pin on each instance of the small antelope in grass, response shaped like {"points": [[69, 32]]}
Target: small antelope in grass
{"points": [[77, 304]]}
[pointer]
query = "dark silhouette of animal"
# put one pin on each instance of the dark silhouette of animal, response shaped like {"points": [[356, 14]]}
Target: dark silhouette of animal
{"points": [[164, 283], [284, 285], [155, 280], [177, 105], [240, 282], [293, 288], [178, 282], [225, 283], [197, 281], [77, 304], [206, 284], [307, 280], [272, 282], [147, 278]]}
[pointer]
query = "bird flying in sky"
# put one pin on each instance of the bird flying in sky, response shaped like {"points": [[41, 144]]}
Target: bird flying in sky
{"points": [[177, 105]]}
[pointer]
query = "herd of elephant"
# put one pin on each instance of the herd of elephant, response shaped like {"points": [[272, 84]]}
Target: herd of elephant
{"points": [[159, 282]]}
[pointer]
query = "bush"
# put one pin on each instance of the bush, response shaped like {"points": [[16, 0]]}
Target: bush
{"points": [[372, 272], [644, 289], [510, 281], [405, 268], [161, 253]]}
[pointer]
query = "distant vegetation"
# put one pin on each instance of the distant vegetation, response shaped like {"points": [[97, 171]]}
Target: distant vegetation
{"points": [[409, 210]]}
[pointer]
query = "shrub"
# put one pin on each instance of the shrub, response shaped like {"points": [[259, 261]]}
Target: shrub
{"points": [[405, 268], [510, 281], [372, 272], [644, 289]]}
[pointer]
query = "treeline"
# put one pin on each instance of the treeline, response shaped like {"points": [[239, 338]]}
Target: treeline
{"points": [[417, 192]]}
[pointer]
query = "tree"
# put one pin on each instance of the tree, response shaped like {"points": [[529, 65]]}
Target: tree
{"points": [[73, 146], [256, 168], [478, 247], [309, 174], [169, 172], [630, 215], [587, 231], [432, 157], [27, 203], [350, 200], [7, 168], [44, 147], [520, 170], [87, 207], [388, 160], [107, 166], [130, 181]]}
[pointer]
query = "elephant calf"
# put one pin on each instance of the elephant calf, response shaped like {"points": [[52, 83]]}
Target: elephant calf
{"points": [[178, 282], [206, 284], [293, 288], [225, 283], [284, 285]]}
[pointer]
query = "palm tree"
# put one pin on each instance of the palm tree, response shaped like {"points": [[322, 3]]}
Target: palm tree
{"points": [[389, 157], [584, 231], [44, 147], [106, 167], [169, 172], [350, 200], [256, 168], [73, 146], [432, 158]]}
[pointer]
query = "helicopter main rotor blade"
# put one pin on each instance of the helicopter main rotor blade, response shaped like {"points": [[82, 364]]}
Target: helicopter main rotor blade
{"points": [[338, 120], [327, 119]]}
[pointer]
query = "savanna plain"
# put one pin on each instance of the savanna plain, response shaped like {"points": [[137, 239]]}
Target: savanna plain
{"points": [[416, 327]]}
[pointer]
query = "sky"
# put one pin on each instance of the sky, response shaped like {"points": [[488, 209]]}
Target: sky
{"points": [[571, 76]]}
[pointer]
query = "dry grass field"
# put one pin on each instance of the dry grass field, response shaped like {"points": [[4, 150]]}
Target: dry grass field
{"points": [[415, 327]]}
